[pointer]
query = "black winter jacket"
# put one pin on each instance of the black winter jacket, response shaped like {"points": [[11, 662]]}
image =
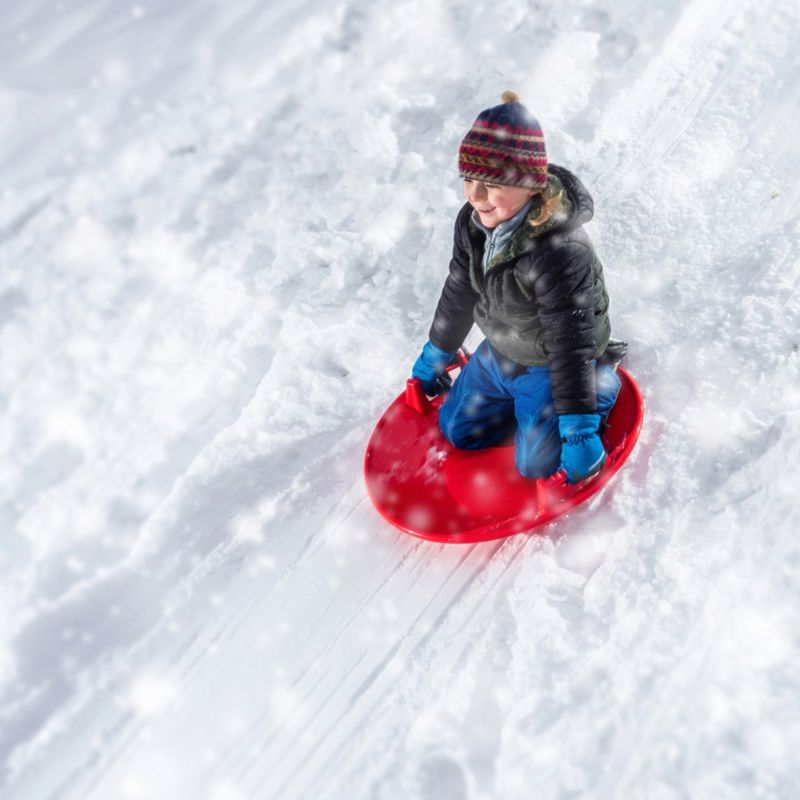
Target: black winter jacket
{"points": [[541, 302]]}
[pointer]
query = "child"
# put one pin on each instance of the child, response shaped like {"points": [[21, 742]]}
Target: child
{"points": [[525, 271]]}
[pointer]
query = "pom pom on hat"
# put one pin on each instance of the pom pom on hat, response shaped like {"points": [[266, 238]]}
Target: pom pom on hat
{"points": [[505, 145]]}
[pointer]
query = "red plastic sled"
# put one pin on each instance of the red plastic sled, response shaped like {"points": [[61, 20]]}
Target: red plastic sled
{"points": [[426, 487]]}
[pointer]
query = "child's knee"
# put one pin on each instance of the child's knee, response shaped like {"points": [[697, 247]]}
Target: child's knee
{"points": [[466, 430], [462, 435], [451, 433], [450, 427]]}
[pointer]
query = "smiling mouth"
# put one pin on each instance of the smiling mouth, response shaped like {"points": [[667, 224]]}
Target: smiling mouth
{"points": [[486, 210]]}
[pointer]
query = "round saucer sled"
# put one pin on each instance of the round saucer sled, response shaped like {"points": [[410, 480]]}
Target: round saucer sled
{"points": [[426, 487]]}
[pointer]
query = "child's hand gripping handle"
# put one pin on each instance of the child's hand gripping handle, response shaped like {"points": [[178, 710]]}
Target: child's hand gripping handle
{"points": [[416, 396]]}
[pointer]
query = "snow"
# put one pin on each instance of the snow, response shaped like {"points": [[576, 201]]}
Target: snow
{"points": [[223, 230]]}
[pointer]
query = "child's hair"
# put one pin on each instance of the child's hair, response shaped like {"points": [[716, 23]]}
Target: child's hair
{"points": [[551, 204]]}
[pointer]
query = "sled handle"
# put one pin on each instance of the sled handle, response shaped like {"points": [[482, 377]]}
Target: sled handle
{"points": [[415, 397], [546, 489]]}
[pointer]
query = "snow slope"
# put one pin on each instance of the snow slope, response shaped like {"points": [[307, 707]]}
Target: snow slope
{"points": [[223, 231]]}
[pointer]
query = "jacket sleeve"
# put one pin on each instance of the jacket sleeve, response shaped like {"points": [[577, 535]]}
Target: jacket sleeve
{"points": [[453, 318], [564, 290]]}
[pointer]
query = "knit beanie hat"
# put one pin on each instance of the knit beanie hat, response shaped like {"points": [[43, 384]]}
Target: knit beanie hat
{"points": [[505, 145]]}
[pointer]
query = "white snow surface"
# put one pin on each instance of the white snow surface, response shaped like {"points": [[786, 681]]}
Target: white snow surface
{"points": [[224, 226]]}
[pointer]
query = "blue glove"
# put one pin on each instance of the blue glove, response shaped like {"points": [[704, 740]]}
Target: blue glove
{"points": [[431, 369], [582, 452]]}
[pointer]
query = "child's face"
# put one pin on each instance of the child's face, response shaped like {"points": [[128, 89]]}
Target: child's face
{"points": [[495, 204]]}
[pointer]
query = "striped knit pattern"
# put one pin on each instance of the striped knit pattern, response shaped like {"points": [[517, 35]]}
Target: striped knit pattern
{"points": [[505, 146]]}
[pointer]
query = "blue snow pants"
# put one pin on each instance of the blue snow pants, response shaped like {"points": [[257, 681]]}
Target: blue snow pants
{"points": [[494, 396]]}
